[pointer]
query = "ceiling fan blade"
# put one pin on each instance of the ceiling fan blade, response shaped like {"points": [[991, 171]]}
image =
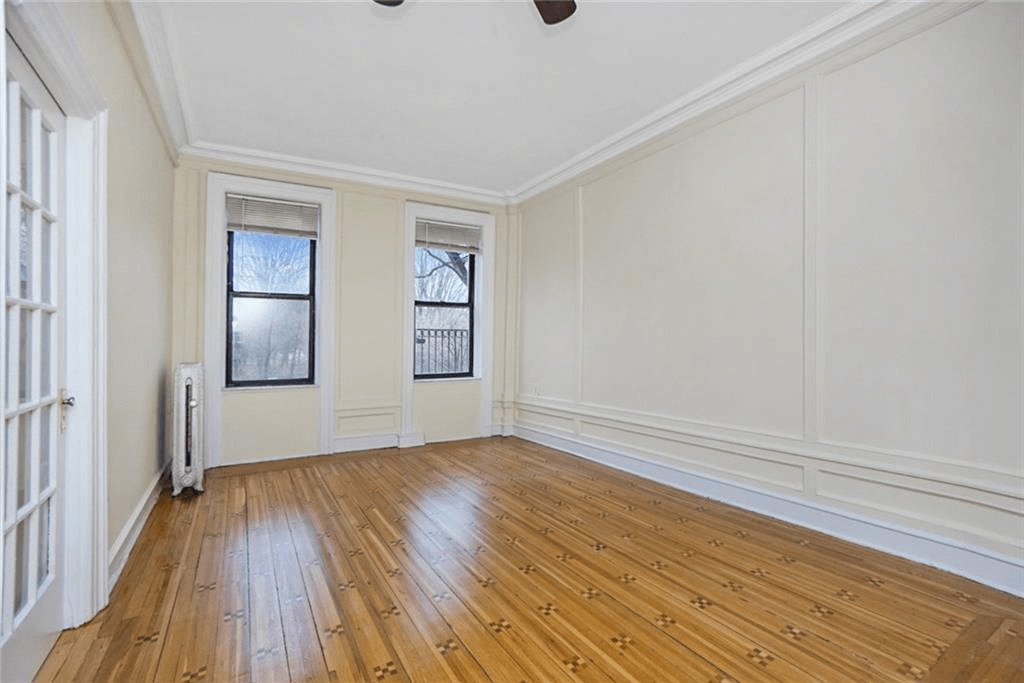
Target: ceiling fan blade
{"points": [[554, 11], [389, 3]]}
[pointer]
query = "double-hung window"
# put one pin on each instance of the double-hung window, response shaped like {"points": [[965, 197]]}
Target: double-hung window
{"points": [[271, 291], [445, 272]]}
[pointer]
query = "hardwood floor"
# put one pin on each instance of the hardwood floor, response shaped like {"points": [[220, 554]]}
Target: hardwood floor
{"points": [[498, 560]]}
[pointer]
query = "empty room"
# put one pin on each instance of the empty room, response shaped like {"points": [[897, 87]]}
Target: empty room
{"points": [[512, 340]]}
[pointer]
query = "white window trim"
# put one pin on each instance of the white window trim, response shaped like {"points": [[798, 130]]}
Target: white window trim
{"points": [[483, 315], [215, 337]]}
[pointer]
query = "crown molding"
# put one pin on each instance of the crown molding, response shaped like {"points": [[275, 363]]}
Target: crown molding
{"points": [[346, 172], [134, 45], [851, 24], [145, 38]]}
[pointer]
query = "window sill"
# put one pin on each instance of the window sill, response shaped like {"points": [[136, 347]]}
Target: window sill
{"points": [[433, 380], [272, 387]]}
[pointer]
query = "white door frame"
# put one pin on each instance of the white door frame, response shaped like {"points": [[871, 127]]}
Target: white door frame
{"points": [[42, 34]]}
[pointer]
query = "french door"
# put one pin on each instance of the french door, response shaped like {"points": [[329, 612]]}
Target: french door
{"points": [[31, 335]]}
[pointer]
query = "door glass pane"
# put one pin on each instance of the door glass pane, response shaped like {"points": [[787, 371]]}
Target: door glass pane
{"points": [[31, 351], [45, 330], [44, 542], [45, 140], [11, 136], [45, 431], [25, 356], [24, 457], [20, 566], [26, 132], [44, 262], [9, 244], [25, 254], [10, 457], [12, 355]]}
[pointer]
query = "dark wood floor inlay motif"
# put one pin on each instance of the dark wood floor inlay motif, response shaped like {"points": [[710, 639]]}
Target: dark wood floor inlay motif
{"points": [[497, 560]]}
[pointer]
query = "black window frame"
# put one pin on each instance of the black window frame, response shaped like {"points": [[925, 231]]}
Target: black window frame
{"points": [[469, 304], [233, 294]]}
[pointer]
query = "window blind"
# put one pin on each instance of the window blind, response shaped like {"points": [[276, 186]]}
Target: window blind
{"points": [[269, 215], [448, 237]]}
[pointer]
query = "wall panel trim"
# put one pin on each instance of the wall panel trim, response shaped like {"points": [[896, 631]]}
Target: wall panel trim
{"points": [[1020, 218], [989, 479], [812, 219], [654, 420], [842, 479]]}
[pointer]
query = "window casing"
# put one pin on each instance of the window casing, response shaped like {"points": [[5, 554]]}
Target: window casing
{"points": [[445, 264], [271, 292]]}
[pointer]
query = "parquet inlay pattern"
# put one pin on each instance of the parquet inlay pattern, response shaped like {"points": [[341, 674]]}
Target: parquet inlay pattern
{"points": [[498, 560]]}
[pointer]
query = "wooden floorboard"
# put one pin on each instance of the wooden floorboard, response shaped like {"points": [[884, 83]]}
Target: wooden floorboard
{"points": [[500, 560]]}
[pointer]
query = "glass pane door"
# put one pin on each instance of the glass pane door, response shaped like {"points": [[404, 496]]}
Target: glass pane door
{"points": [[31, 352]]}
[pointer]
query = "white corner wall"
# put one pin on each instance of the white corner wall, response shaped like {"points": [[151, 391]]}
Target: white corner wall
{"points": [[810, 303]]}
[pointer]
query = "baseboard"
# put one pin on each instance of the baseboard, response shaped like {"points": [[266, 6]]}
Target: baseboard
{"points": [[411, 439], [122, 547], [369, 442], [979, 564], [502, 430]]}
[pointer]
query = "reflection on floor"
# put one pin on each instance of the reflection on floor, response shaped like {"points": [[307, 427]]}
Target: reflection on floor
{"points": [[500, 560]]}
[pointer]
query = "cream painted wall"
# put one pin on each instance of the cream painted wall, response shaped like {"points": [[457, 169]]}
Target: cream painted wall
{"points": [[446, 410], [370, 305], [935, 253], [140, 177], [549, 335], [813, 297], [692, 265], [270, 424], [369, 312]]}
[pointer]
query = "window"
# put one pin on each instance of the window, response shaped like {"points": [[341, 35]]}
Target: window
{"points": [[445, 281], [271, 291]]}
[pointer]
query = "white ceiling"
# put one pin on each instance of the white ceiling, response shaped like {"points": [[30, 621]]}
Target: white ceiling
{"points": [[475, 94]]}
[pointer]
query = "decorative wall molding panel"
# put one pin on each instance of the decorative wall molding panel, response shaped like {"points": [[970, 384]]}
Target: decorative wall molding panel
{"points": [[353, 422], [567, 414], [984, 513], [849, 356], [367, 427], [368, 442]]}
